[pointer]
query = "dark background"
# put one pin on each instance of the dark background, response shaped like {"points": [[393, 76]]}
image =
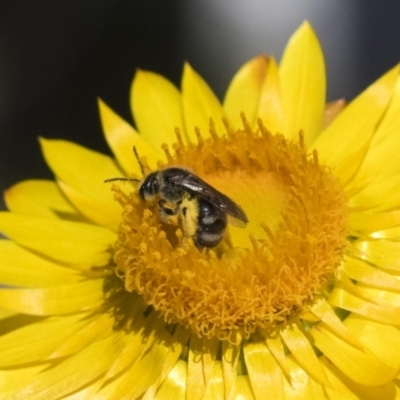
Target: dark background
{"points": [[57, 56]]}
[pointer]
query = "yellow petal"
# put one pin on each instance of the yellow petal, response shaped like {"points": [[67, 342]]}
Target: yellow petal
{"points": [[332, 110], [343, 388], [362, 272], [301, 349], [93, 208], [360, 365], [389, 234], [362, 222], [121, 137], [89, 329], [270, 107], [78, 166], [215, 388], [383, 253], [141, 375], [353, 128], [276, 348], [196, 382], [370, 198], [255, 91], [88, 392], [243, 94], [105, 392], [199, 105], [14, 380], [325, 313], [210, 352], [78, 297], [11, 320], [301, 386], [380, 297], [264, 372], [230, 357], [39, 198], [156, 106], [41, 272], [386, 314], [26, 345], [135, 346], [174, 387], [381, 339], [84, 171], [303, 82], [176, 345], [74, 371], [71, 242], [243, 388], [130, 354], [7, 314], [349, 165], [385, 144], [387, 391]]}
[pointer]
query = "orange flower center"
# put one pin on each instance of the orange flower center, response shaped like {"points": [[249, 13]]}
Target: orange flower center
{"points": [[259, 276]]}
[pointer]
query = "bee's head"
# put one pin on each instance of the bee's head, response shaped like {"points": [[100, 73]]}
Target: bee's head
{"points": [[150, 187]]}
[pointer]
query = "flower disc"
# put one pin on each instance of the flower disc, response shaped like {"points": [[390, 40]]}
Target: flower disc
{"points": [[258, 277]]}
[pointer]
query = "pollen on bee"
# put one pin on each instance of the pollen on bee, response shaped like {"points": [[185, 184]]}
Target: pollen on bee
{"points": [[179, 234]]}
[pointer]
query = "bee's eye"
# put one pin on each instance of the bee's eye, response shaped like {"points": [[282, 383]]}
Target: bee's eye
{"points": [[149, 187]]}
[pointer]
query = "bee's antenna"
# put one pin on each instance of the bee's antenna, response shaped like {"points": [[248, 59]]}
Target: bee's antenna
{"points": [[122, 179], [138, 160], [130, 179]]}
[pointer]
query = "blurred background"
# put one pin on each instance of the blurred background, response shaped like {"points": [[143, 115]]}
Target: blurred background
{"points": [[56, 57]]}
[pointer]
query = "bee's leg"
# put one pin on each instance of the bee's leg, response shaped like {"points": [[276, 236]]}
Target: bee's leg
{"points": [[169, 212], [186, 243], [189, 217]]}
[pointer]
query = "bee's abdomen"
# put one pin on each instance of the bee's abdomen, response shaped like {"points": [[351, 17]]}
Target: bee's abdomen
{"points": [[211, 225]]}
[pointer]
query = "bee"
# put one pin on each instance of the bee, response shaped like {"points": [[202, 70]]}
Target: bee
{"points": [[185, 199]]}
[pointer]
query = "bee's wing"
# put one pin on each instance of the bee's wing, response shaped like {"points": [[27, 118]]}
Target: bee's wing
{"points": [[194, 184], [239, 223]]}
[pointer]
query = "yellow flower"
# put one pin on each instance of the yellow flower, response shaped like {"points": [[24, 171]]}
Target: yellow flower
{"points": [[304, 302]]}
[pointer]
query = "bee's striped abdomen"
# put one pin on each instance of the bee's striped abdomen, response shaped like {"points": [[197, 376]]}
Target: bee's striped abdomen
{"points": [[211, 225]]}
